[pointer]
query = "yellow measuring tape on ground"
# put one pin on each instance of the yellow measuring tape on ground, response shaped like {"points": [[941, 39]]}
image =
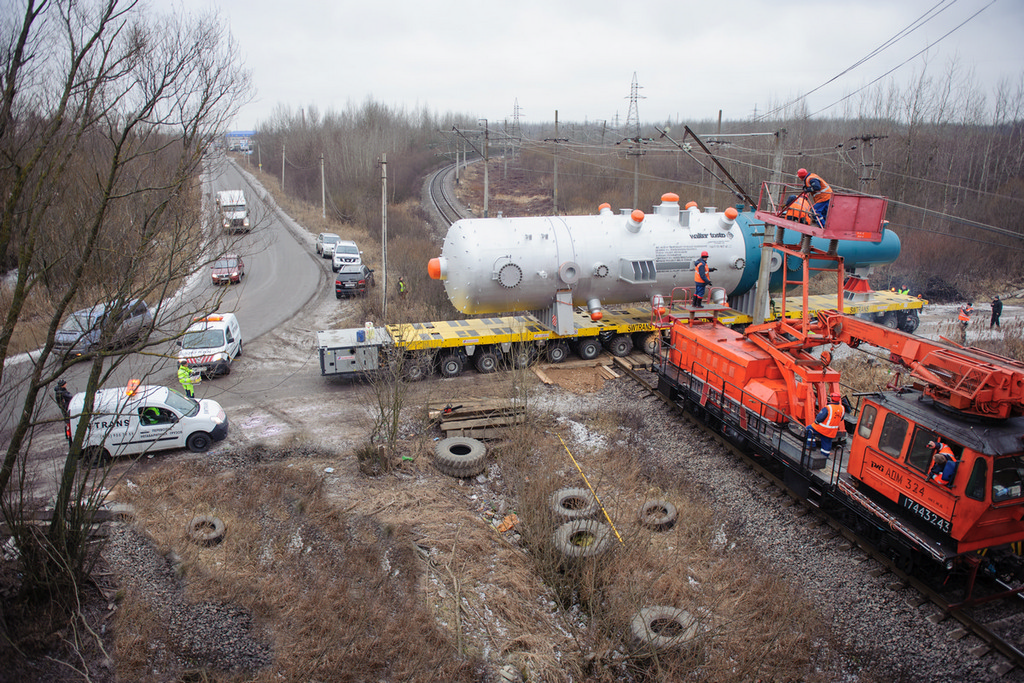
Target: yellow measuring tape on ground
{"points": [[587, 482]]}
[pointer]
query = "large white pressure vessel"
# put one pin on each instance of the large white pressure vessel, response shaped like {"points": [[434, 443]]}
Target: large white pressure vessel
{"points": [[494, 265]]}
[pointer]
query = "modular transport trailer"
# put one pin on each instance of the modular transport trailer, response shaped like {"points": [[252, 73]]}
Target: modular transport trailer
{"points": [[488, 343]]}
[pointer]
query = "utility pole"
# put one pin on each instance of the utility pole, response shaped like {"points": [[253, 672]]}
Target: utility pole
{"points": [[282, 166], [764, 274], [323, 190], [487, 164], [556, 140], [384, 233]]}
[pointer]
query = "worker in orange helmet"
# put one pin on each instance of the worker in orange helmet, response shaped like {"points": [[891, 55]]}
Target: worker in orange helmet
{"points": [[798, 208], [943, 463], [820, 191], [701, 279], [827, 424]]}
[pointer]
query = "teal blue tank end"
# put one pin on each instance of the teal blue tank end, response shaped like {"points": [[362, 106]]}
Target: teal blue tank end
{"points": [[855, 254]]}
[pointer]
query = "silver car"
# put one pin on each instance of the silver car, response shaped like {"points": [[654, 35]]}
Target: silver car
{"points": [[325, 242], [103, 326], [346, 253]]}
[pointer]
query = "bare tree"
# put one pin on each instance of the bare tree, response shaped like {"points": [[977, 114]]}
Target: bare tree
{"points": [[106, 115]]}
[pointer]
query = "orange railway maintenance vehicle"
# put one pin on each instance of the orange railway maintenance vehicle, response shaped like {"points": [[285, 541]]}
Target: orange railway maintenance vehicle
{"points": [[761, 387]]}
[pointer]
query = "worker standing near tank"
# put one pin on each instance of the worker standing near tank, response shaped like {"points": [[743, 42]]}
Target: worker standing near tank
{"points": [[826, 424], [820, 192], [701, 279]]}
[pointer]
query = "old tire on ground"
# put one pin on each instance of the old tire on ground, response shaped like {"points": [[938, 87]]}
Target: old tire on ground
{"points": [[663, 627], [486, 361], [659, 515], [588, 348], [206, 529], [620, 346], [557, 351], [198, 442], [582, 538], [452, 365], [574, 503], [460, 456]]}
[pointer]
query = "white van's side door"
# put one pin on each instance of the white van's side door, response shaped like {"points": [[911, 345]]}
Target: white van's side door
{"points": [[159, 428]]}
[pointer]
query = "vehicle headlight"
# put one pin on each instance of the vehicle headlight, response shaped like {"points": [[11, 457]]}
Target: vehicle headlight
{"points": [[221, 356], [216, 419], [245, 221]]}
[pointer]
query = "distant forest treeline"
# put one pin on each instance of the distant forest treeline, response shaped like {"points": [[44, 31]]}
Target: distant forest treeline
{"points": [[949, 159]]}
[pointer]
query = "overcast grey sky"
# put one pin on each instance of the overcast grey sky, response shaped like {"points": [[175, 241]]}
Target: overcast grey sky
{"points": [[691, 58]]}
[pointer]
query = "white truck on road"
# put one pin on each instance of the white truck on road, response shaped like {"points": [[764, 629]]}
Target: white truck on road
{"points": [[233, 210]]}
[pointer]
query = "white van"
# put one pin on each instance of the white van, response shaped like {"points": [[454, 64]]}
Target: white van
{"points": [[140, 419], [211, 343]]}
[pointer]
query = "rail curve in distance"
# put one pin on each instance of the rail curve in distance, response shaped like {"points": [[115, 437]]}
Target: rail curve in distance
{"points": [[441, 191]]}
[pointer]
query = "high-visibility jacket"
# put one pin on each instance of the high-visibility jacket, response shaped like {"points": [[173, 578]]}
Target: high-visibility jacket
{"points": [[185, 376], [800, 210], [824, 193], [833, 419], [965, 314], [700, 273], [946, 475]]}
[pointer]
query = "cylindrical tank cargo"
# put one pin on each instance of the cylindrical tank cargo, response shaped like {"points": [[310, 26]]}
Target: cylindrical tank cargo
{"points": [[492, 265], [514, 264]]}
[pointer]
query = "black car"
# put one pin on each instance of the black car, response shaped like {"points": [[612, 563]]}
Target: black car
{"points": [[353, 280]]}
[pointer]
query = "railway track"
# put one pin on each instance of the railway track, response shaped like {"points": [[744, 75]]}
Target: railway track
{"points": [[997, 623], [441, 195]]}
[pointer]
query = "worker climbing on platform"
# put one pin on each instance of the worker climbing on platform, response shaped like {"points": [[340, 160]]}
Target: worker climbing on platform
{"points": [[826, 425], [701, 279], [798, 208], [943, 463], [819, 191]]}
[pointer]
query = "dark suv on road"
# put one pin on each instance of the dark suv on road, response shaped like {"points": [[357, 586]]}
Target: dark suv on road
{"points": [[353, 280]]}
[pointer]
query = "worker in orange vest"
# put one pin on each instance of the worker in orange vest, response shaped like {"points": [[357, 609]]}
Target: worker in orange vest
{"points": [[799, 209], [827, 423], [964, 315], [820, 191], [943, 463], [701, 279]]}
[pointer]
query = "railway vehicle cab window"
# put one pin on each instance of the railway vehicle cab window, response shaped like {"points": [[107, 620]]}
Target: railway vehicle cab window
{"points": [[979, 478], [867, 421], [920, 456], [894, 433], [1008, 478]]}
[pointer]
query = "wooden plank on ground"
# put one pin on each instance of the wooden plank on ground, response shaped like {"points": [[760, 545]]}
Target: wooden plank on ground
{"points": [[498, 421], [493, 433], [542, 375]]}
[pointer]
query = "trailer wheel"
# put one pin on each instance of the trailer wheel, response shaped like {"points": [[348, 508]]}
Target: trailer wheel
{"points": [[620, 345], [452, 365], [659, 515], [647, 342], [663, 627], [416, 369], [889, 320], [557, 351], [206, 530], [460, 456], [486, 361], [582, 538], [588, 349], [574, 503], [198, 442], [910, 322], [522, 356]]}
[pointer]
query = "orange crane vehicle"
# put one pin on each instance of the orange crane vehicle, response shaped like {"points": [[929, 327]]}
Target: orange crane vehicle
{"points": [[763, 386]]}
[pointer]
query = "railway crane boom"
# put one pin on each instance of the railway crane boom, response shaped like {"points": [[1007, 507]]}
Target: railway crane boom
{"points": [[966, 379]]}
